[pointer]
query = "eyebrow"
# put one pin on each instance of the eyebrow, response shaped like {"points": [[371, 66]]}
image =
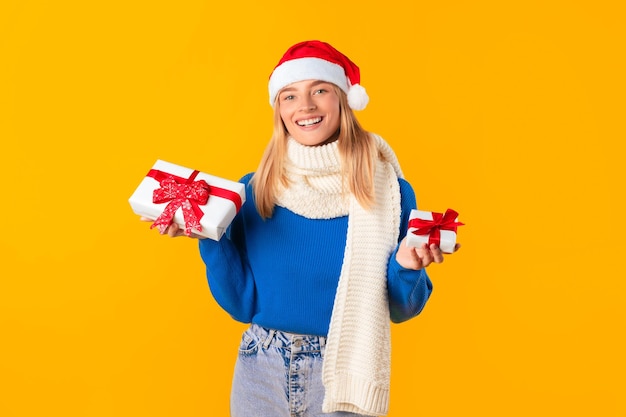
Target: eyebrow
{"points": [[313, 84]]}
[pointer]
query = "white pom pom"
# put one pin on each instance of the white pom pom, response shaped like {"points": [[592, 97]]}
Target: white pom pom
{"points": [[357, 97]]}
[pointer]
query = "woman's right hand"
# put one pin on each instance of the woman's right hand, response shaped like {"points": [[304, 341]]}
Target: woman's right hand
{"points": [[420, 257], [173, 230]]}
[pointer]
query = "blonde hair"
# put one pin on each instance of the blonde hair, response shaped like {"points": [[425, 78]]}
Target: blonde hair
{"points": [[357, 150]]}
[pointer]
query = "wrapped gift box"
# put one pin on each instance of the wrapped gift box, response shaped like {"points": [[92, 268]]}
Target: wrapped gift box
{"points": [[198, 202], [430, 227]]}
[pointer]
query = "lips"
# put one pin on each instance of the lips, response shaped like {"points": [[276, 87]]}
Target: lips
{"points": [[309, 122]]}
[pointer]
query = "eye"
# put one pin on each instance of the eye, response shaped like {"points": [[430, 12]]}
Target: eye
{"points": [[288, 97], [320, 91]]}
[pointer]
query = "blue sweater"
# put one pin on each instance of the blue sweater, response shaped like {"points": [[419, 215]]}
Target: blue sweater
{"points": [[282, 272]]}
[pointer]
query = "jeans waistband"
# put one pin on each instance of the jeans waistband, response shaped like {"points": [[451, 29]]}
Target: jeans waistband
{"points": [[286, 340]]}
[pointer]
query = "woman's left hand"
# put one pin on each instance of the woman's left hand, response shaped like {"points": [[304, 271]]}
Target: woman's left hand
{"points": [[410, 257]]}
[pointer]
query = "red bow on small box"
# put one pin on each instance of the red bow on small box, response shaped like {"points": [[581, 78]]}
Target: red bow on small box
{"points": [[433, 227], [187, 194]]}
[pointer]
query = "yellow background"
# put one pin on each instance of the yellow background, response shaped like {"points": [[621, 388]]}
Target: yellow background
{"points": [[509, 112]]}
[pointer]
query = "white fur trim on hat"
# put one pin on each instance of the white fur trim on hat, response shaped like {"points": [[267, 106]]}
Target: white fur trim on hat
{"points": [[302, 69]]}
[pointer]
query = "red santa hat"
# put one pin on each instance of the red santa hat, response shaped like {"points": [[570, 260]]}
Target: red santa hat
{"points": [[316, 60]]}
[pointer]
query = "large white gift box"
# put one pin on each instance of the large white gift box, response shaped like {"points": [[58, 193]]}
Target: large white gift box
{"points": [[172, 193], [430, 227]]}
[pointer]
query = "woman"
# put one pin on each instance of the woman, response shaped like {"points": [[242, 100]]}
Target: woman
{"points": [[315, 260]]}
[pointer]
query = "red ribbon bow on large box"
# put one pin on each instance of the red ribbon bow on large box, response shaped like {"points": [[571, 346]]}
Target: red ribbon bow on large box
{"points": [[187, 194], [433, 227]]}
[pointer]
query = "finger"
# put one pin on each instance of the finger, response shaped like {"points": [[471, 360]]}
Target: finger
{"points": [[174, 230], [425, 255], [145, 219], [457, 247], [417, 259], [436, 253]]}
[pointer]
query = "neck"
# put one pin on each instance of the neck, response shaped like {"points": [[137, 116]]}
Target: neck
{"points": [[331, 139]]}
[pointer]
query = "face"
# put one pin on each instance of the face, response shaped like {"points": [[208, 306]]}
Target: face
{"points": [[310, 111]]}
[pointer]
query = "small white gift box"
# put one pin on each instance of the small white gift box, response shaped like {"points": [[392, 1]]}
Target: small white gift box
{"points": [[430, 227], [198, 202]]}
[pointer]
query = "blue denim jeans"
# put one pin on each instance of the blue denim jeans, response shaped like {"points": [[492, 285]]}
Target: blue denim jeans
{"points": [[279, 374]]}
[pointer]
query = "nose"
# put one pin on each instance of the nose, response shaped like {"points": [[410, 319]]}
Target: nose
{"points": [[308, 104]]}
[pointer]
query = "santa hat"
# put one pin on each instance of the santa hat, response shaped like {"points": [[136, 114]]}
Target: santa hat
{"points": [[315, 60]]}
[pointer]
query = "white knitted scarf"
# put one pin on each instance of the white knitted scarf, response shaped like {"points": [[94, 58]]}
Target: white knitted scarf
{"points": [[357, 361]]}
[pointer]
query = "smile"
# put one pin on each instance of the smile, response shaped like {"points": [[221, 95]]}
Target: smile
{"points": [[309, 122]]}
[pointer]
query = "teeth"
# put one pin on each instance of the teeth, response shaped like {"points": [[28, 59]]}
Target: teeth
{"points": [[309, 122]]}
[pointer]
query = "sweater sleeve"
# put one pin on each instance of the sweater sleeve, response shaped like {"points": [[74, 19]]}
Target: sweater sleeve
{"points": [[409, 290], [228, 272]]}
